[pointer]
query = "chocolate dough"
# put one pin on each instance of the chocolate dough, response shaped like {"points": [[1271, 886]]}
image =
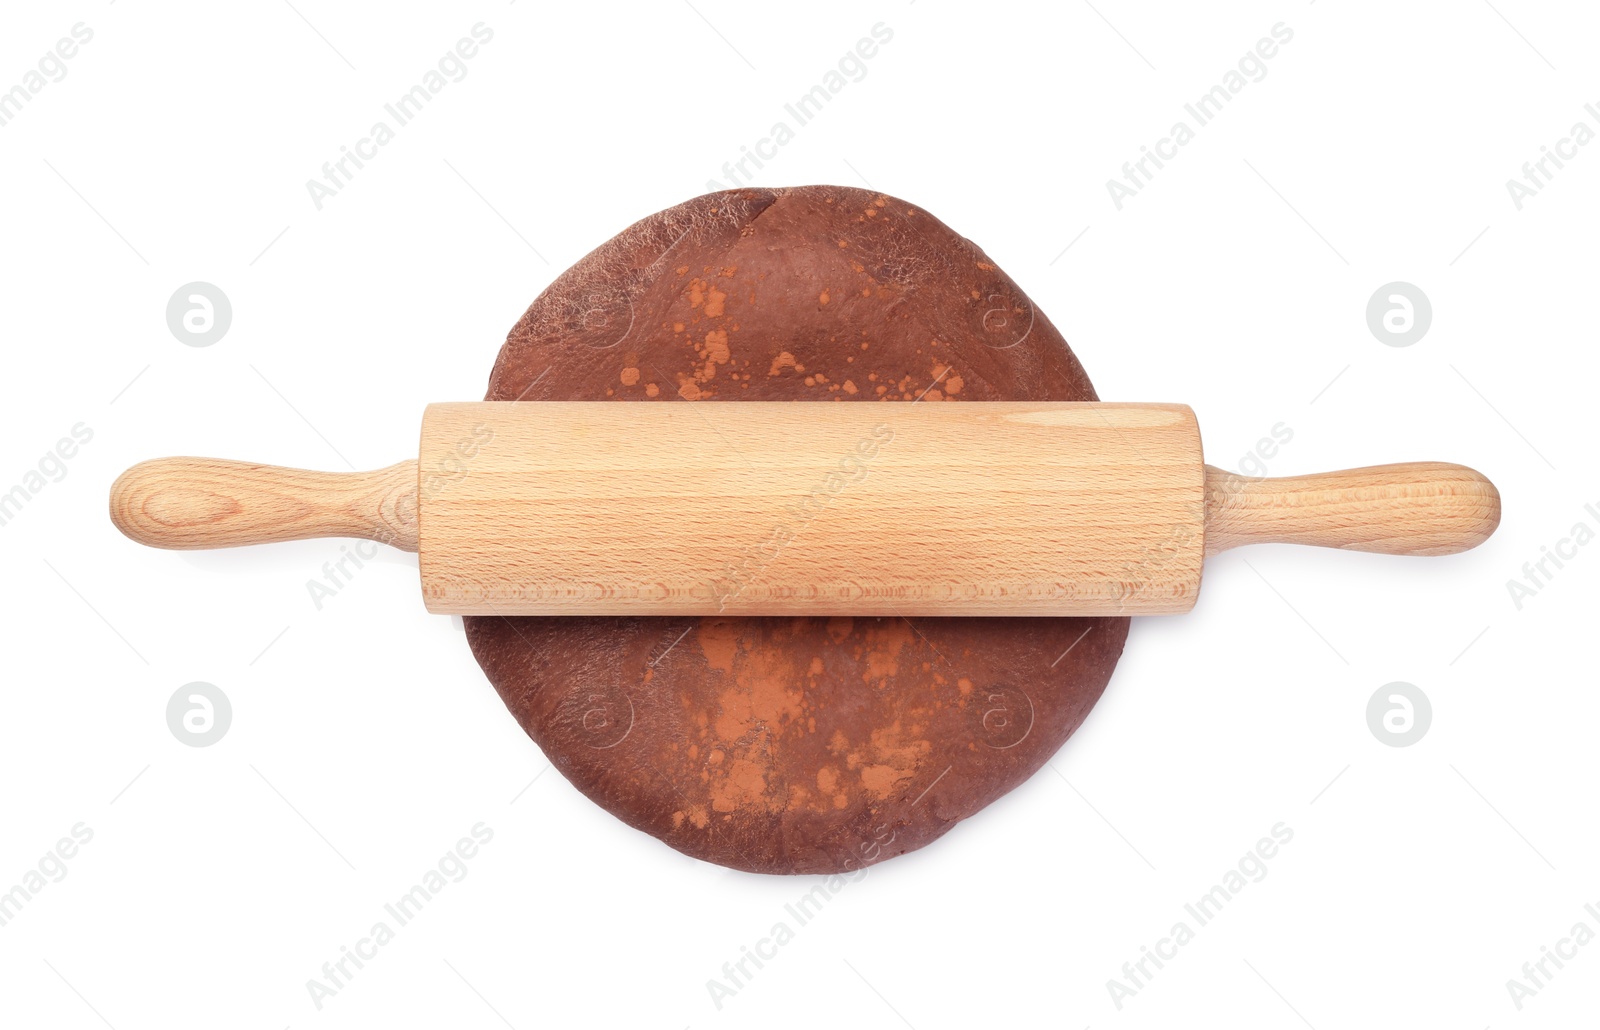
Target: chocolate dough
{"points": [[792, 745]]}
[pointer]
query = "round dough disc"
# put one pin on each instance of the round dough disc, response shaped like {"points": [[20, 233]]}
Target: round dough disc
{"points": [[792, 745]]}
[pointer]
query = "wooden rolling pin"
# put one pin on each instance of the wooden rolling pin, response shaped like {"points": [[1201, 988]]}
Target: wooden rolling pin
{"points": [[776, 508]]}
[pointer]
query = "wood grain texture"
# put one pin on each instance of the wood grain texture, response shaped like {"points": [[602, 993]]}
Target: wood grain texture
{"points": [[194, 503], [1003, 508], [1422, 507]]}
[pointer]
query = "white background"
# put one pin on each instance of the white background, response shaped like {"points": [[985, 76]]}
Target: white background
{"points": [[364, 739]]}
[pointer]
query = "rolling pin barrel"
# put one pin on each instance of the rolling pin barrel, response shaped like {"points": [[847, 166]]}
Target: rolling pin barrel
{"points": [[817, 508]]}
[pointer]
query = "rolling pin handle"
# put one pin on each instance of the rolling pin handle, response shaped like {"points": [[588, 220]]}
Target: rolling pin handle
{"points": [[1424, 507], [193, 503]]}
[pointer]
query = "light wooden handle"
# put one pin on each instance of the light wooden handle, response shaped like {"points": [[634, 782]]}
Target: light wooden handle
{"points": [[1421, 507], [192, 503]]}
